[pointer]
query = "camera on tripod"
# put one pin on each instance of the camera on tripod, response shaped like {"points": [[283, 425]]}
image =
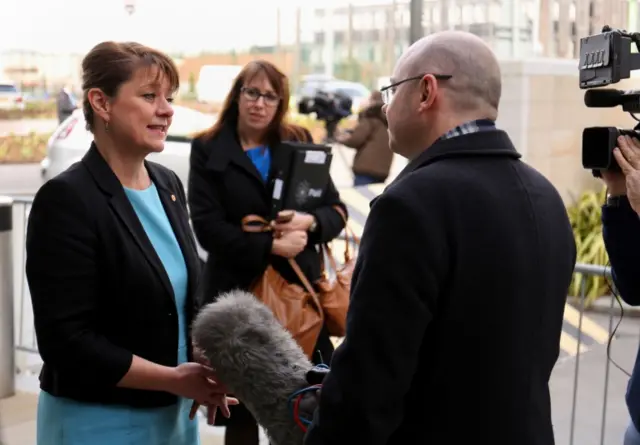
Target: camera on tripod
{"points": [[606, 59], [328, 107]]}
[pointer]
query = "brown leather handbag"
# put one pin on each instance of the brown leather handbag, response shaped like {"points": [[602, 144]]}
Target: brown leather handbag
{"points": [[297, 308], [334, 294]]}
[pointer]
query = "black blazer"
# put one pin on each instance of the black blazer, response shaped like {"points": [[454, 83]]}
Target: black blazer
{"points": [[457, 304], [224, 187], [100, 293]]}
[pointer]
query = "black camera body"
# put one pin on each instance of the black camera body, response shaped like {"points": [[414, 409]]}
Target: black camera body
{"points": [[327, 106], [607, 59]]}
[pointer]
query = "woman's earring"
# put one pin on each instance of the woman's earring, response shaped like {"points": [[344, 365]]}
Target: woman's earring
{"points": [[106, 126]]}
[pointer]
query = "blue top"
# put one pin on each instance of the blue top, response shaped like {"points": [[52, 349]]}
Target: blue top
{"points": [[621, 233], [151, 213], [82, 423], [261, 158]]}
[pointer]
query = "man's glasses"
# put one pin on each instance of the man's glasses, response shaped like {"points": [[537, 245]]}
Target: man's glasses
{"points": [[389, 90], [253, 94]]}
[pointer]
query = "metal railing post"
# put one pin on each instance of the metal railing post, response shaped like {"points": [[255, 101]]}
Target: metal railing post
{"points": [[7, 346]]}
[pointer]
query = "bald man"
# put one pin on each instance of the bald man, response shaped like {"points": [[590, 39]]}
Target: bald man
{"points": [[458, 294]]}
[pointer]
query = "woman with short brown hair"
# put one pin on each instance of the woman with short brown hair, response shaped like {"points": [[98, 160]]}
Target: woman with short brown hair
{"points": [[112, 268], [231, 176]]}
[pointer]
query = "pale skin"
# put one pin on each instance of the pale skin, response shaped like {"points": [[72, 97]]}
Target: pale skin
{"points": [[627, 154], [127, 128], [254, 117], [424, 108]]}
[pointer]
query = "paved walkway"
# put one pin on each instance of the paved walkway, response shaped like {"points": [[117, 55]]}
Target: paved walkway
{"points": [[17, 419]]}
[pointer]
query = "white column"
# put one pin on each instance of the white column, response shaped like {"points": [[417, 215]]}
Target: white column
{"points": [[329, 41], [516, 13]]}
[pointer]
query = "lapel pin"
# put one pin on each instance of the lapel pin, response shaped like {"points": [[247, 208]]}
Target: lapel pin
{"points": [[173, 198]]}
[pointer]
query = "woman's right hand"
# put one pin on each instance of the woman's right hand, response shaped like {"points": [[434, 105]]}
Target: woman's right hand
{"points": [[196, 382], [289, 244]]}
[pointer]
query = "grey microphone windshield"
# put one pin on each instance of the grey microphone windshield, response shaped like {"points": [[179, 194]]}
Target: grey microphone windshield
{"points": [[259, 362]]}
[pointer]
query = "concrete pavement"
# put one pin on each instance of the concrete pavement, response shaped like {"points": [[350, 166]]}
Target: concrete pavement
{"points": [[591, 399], [19, 179]]}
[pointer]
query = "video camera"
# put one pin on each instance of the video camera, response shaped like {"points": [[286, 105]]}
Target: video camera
{"points": [[606, 59], [329, 107]]}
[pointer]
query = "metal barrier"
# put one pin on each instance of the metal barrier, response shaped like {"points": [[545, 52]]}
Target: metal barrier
{"points": [[24, 331], [586, 271], [7, 358]]}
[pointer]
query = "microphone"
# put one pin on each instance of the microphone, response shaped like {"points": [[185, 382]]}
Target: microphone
{"points": [[606, 98], [262, 365]]}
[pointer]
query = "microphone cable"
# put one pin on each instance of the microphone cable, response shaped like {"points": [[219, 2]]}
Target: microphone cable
{"points": [[611, 286], [613, 333], [296, 398]]}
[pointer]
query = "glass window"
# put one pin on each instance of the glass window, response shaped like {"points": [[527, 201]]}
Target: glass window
{"points": [[7, 88]]}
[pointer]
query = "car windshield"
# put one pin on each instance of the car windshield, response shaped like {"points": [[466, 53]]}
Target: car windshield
{"points": [[351, 89], [352, 92], [7, 88]]}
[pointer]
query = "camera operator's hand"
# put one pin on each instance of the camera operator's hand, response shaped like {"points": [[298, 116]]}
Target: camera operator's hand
{"points": [[615, 181], [628, 156]]}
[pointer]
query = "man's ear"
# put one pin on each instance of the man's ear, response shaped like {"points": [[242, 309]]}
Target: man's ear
{"points": [[428, 88], [101, 103]]}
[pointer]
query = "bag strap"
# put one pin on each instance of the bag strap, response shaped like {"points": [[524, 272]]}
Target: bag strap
{"points": [[258, 224], [347, 248]]}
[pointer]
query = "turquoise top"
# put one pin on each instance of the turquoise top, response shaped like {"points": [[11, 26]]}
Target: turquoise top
{"points": [[68, 422], [261, 158], [151, 213]]}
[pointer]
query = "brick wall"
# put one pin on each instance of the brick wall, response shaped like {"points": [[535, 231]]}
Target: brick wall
{"points": [[284, 61]]}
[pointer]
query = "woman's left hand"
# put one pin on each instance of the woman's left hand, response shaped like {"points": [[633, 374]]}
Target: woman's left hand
{"points": [[223, 403], [300, 221]]}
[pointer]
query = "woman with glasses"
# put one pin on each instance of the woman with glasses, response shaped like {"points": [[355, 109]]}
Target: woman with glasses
{"points": [[230, 177]]}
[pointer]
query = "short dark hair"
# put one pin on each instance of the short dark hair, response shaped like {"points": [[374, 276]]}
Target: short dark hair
{"points": [[110, 64]]}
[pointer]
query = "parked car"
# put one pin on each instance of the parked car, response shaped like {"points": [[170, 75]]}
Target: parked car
{"points": [[71, 140], [10, 96]]}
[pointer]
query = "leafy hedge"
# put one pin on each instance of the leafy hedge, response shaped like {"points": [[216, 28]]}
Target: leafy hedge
{"points": [[585, 215]]}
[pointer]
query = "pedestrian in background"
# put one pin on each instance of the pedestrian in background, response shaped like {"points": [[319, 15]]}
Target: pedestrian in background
{"points": [[112, 268], [373, 158], [66, 103]]}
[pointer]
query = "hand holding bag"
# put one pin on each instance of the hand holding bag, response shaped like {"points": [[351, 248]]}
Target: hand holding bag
{"points": [[297, 308]]}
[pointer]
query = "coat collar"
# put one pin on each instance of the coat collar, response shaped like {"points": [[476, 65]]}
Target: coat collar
{"points": [[111, 186], [226, 148], [494, 143]]}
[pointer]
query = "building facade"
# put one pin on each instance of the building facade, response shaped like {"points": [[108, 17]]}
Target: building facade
{"points": [[367, 40], [40, 72]]}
